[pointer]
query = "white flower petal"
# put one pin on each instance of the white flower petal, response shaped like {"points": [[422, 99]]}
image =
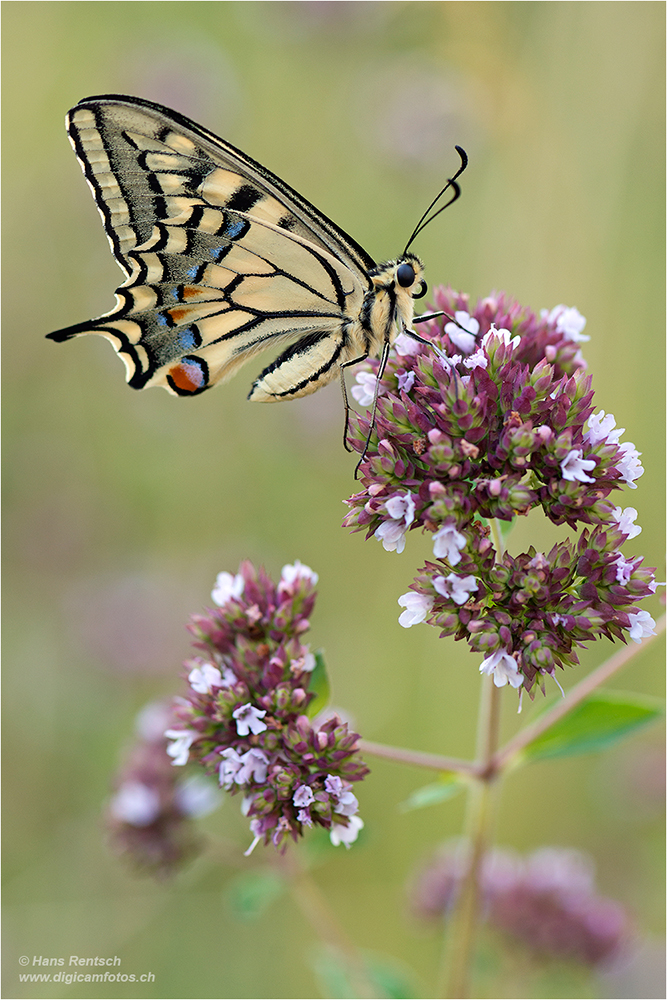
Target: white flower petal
{"points": [[136, 804], [290, 575], [364, 392], [405, 345], [625, 519], [641, 626], [448, 543], [227, 588], [347, 835], [503, 668], [574, 467], [417, 606], [180, 748], [203, 678], [249, 719]]}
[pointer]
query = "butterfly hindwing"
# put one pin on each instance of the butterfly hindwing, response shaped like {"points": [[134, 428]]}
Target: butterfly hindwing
{"points": [[221, 258]]}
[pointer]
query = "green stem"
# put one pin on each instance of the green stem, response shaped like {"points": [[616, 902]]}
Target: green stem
{"points": [[320, 918], [462, 925], [497, 535], [504, 756], [464, 921], [418, 758]]}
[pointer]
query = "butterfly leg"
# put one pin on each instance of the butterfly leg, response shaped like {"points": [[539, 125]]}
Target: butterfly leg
{"points": [[429, 343], [441, 354], [383, 364], [434, 315], [346, 405], [422, 319]]}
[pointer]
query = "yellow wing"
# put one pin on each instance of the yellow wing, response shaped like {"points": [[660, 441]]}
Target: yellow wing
{"points": [[221, 258]]}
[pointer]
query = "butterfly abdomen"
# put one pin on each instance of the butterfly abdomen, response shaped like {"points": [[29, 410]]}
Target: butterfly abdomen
{"points": [[310, 363]]}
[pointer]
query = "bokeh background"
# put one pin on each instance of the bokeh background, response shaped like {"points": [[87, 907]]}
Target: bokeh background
{"points": [[121, 507]]}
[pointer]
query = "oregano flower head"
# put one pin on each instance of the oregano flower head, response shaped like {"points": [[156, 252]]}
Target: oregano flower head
{"points": [[547, 902], [496, 419], [245, 718], [150, 814]]}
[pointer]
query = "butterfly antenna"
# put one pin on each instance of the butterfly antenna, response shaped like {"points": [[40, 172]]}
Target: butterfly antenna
{"points": [[371, 427], [451, 183]]}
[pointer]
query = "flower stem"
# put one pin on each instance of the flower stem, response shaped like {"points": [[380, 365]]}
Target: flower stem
{"points": [[463, 923], [320, 917], [501, 758], [418, 758]]}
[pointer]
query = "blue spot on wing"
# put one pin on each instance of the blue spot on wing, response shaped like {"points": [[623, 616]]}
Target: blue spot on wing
{"points": [[232, 229], [188, 339]]}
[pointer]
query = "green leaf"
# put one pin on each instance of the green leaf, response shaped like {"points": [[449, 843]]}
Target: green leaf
{"points": [[393, 979], [319, 683], [251, 893], [332, 972], [446, 787], [386, 976], [595, 724]]}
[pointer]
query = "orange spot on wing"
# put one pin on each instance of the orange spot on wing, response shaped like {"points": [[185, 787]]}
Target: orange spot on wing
{"points": [[187, 377]]}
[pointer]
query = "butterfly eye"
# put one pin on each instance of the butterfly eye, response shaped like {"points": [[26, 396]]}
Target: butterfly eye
{"points": [[422, 291], [405, 275]]}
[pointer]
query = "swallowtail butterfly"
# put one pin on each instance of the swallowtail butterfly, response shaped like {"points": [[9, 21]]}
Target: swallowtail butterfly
{"points": [[222, 259]]}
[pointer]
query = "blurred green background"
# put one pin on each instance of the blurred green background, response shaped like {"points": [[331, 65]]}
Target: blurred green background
{"points": [[121, 507]]}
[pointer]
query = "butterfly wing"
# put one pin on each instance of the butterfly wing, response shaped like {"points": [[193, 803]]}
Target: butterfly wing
{"points": [[221, 258]]}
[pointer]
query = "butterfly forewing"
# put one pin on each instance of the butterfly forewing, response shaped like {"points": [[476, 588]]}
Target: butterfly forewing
{"points": [[221, 258]]}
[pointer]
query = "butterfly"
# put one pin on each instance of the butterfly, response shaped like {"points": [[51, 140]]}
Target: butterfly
{"points": [[222, 260]]}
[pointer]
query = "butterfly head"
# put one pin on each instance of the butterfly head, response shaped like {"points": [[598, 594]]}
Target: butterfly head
{"points": [[396, 284], [409, 276], [402, 278]]}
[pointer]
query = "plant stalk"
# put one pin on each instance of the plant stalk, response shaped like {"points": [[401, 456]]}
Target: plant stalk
{"points": [[320, 917], [462, 925], [461, 933], [419, 759]]}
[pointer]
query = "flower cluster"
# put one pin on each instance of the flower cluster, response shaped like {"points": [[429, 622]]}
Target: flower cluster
{"points": [[149, 816], [547, 901], [244, 717], [493, 420]]}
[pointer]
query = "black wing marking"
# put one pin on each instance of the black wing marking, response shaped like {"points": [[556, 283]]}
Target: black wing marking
{"points": [[156, 155], [220, 256]]}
